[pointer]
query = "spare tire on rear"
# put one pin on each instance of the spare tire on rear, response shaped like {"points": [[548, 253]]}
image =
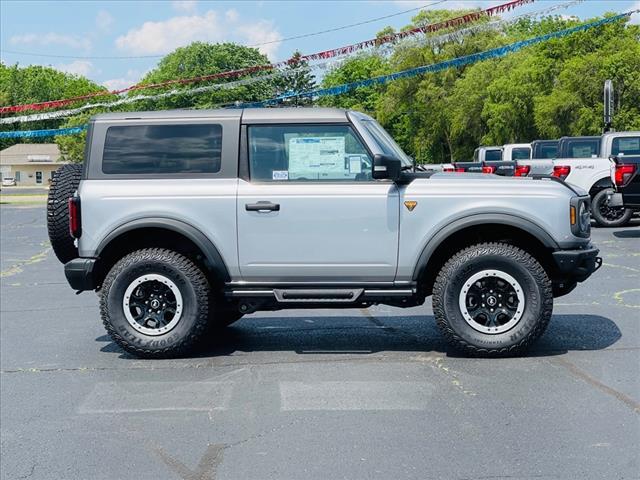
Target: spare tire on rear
{"points": [[64, 183]]}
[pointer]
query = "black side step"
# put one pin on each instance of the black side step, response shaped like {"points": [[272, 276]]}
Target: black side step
{"points": [[317, 295]]}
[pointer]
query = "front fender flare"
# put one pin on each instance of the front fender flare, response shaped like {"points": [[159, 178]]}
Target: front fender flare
{"points": [[480, 219]]}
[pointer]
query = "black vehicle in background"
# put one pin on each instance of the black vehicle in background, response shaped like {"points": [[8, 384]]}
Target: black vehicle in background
{"points": [[625, 174]]}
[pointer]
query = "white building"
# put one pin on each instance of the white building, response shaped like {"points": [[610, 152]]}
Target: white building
{"points": [[30, 163]]}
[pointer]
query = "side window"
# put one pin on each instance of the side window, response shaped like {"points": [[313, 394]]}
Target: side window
{"points": [[162, 149], [307, 153], [626, 146]]}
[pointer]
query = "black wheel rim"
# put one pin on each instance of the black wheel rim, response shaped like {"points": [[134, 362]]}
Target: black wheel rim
{"points": [[492, 301], [152, 304]]}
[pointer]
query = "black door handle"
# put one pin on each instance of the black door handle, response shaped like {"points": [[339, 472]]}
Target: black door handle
{"points": [[262, 207]]}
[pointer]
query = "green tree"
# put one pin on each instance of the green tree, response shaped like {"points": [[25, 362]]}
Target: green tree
{"points": [[20, 85], [360, 67], [297, 78], [199, 59]]}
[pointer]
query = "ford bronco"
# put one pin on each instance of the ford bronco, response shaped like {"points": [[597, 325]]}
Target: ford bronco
{"points": [[187, 220]]}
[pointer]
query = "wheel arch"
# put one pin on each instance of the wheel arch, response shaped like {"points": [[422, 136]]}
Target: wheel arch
{"points": [[601, 184], [162, 232], [482, 228]]}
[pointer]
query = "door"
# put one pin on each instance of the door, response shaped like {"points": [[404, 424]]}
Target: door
{"points": [[310, 211], [38, 177]]}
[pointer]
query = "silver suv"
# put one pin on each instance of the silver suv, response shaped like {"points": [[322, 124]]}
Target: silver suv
{"points": [[186, 220]]}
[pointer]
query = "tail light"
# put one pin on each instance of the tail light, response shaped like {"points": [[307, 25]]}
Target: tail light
{"points": [[459, 170], [561, 171], [489, 169], [522, 170], [623, 174], [448, 169], [75, 222]]}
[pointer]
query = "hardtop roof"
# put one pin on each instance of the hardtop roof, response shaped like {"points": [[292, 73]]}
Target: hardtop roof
{"points": [[248, 115]]}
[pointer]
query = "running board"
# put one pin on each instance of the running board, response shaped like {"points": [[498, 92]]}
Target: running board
{"points": [[315, 295], [338, 295]]}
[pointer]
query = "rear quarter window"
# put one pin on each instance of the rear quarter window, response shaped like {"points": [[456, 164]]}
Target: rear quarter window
{"points": [[162, 149]]}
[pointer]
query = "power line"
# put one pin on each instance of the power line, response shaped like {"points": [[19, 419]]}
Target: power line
{"points": [[295, 37]]}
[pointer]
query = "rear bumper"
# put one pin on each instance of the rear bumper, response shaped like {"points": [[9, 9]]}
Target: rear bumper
{"points": [[578, 265], [80, 273]]}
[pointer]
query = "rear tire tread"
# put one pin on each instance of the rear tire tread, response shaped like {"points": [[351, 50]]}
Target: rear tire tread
{"points": [[199, 283]]}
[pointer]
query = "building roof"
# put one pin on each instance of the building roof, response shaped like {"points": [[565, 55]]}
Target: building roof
{"points": [[30, 154]]}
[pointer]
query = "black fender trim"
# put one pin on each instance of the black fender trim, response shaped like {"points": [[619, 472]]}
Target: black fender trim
{"points": [[192, 233], [480, 219], [603, 183]]}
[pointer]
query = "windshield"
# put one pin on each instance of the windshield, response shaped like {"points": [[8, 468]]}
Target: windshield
{"points": [[387, 144]]}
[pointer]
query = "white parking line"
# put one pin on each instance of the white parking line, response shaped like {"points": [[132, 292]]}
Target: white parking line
{"points": [[134, 397], [355, 395]]}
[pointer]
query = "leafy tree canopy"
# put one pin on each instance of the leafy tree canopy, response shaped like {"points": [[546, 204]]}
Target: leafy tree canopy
{"points": [[20, 85]]}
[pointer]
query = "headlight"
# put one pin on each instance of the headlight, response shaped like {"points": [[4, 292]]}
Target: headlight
{"points": [[580, 216]]}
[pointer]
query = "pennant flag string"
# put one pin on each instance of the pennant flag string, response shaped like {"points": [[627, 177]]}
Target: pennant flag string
{"points": [[437, 67], [430, 28], [207, 88], [431, 41], [340, 89], [43, 133]]}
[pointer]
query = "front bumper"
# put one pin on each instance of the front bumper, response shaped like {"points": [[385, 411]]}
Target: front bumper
{"points": [[578, 265], [80, 273]]}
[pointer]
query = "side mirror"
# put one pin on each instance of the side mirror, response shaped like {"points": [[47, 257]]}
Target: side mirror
{"points": [[385, 166]]}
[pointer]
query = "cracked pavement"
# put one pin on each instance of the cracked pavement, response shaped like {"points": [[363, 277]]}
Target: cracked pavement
{"points": [[322, 394]]}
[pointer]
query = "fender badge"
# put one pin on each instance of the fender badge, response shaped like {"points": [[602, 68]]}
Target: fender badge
{"points": [[410, 204]]}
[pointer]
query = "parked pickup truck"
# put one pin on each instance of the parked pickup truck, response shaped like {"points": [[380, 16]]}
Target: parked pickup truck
{"points": [[187, 220], [625, 175], [585, 162], [499, 167], [498, 160]]}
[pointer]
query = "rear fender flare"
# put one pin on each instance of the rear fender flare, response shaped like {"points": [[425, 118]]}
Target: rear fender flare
{"points": [[205, 245]]}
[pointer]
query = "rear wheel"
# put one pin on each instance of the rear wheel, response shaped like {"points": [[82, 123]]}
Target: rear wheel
{"points": [[492, 299], [155, 303], [606, 215], [63, 185]]}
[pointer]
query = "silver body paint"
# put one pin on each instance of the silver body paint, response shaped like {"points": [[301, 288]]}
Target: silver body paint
{"points": [[349, 232]]}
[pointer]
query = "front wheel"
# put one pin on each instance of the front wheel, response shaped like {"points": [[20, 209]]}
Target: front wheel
{"points": [[607, 216], [492, 299], [155, 303]]}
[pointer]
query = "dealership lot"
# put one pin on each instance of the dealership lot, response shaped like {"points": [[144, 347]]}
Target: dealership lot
{"points": [[320, 394]]}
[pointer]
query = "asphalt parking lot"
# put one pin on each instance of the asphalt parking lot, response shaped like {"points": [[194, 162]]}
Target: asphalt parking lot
{"points": [[353, 394]]}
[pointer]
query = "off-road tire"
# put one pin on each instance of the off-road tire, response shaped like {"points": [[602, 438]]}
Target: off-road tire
{"points": [[193, 286], [63, 185], [528, 272], [602, 220]]}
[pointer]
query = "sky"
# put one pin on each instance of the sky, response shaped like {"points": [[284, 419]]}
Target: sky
{"points": [[73, 35]]}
